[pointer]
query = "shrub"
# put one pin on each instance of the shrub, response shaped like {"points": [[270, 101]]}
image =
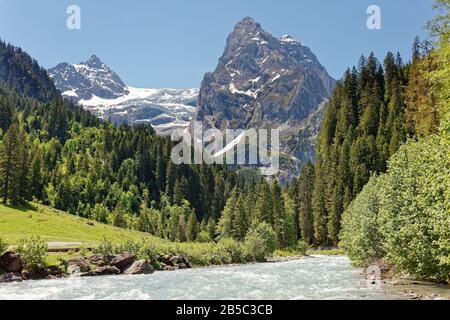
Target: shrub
{"points": [[360, 235], [3, 246], [33, 252], [100, 213], [142, 249], [301, 247], [260, 242], [106, 248], [403, 216], [415, 206], [231, 250], [204, 237]]}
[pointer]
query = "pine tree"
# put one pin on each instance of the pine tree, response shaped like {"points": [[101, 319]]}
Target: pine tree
{"points": [[211, 227], [11, 165], [226, 225], [305, 195], [279, 219], [242, 218], [191, 227], [35, 178], [6, 113]]}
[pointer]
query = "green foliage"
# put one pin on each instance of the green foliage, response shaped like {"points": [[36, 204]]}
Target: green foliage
{"points": [[142, 249], [260, 242], [106, 248], [416, 190], [231, 251], [271, 205], [363, 125], [32, 251], [60, 155], [17, 66], [204, 237], [13, 165], [149, 221], [3, 246], [360, 236], [301, 247], [404, 215]]}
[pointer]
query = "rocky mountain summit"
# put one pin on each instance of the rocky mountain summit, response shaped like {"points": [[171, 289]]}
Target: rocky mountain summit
{"points": [[99, 89], [85, 80], [266, 82]]}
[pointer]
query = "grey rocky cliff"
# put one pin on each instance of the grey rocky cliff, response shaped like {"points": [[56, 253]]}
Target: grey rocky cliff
{"points": [[266, 82]]}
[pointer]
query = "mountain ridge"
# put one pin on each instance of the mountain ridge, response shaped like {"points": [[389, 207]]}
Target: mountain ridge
{"points": [[96, 87], [262, 81]]}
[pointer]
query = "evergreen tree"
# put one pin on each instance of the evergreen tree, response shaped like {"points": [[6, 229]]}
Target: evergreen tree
{"points": [[305, 195], [12, 154], [191, 227]]}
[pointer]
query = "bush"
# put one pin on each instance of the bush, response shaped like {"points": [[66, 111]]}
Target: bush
{"points": [[403, 216], [33, 252], [260, 242], [415, 206], [142, 249], [3, 246], [360, 235], [231, 251], [204, 237], [301, 247], [106, 248]]}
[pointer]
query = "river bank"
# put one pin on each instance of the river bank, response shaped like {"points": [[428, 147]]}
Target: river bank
{"points": [[315, 277]]}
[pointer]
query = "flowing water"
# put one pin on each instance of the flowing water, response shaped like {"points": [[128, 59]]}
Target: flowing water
{"points": [[319, 277]]}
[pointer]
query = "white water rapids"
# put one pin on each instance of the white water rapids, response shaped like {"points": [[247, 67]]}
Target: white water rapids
{"points": [[318, 277]]}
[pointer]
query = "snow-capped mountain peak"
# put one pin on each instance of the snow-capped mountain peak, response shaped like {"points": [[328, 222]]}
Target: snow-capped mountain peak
{"points": [[288, 39], [96, 87], [87, 79]]}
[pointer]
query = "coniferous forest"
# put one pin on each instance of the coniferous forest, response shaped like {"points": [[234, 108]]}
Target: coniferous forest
{"points": [[379, 188]]}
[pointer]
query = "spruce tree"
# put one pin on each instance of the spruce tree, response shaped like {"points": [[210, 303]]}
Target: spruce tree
{"points": [[305, 195], [191, 227], [11, 165]]}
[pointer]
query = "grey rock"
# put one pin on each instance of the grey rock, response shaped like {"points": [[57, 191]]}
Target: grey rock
{"points": [[262, 81], [86, 79], [78, 265], [11, 277], [122, 261], [140, 267], [164, 109], [97, 259], [10, 262], [102, 271]]}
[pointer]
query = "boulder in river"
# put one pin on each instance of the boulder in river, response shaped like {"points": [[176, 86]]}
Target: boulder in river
{"points": [[122, 261], [167, 260], [35, 273], [140, 267], [171, 262], [102, 271], [98, 260], [78, 265], [11, 277], [10, 262], [55, 271]]}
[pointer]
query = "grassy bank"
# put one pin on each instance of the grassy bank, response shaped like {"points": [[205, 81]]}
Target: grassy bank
{"points": [[56, 226], [329, 252]]}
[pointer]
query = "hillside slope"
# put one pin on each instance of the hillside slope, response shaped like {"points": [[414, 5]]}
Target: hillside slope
{"points": [[57, 226]]}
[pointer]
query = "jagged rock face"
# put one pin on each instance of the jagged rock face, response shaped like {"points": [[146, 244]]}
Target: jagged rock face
{"points": [[99, 89], [84, 80], [263, 81]]}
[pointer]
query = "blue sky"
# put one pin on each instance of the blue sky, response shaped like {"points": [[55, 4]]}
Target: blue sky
{"points": [[172, 43]]}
